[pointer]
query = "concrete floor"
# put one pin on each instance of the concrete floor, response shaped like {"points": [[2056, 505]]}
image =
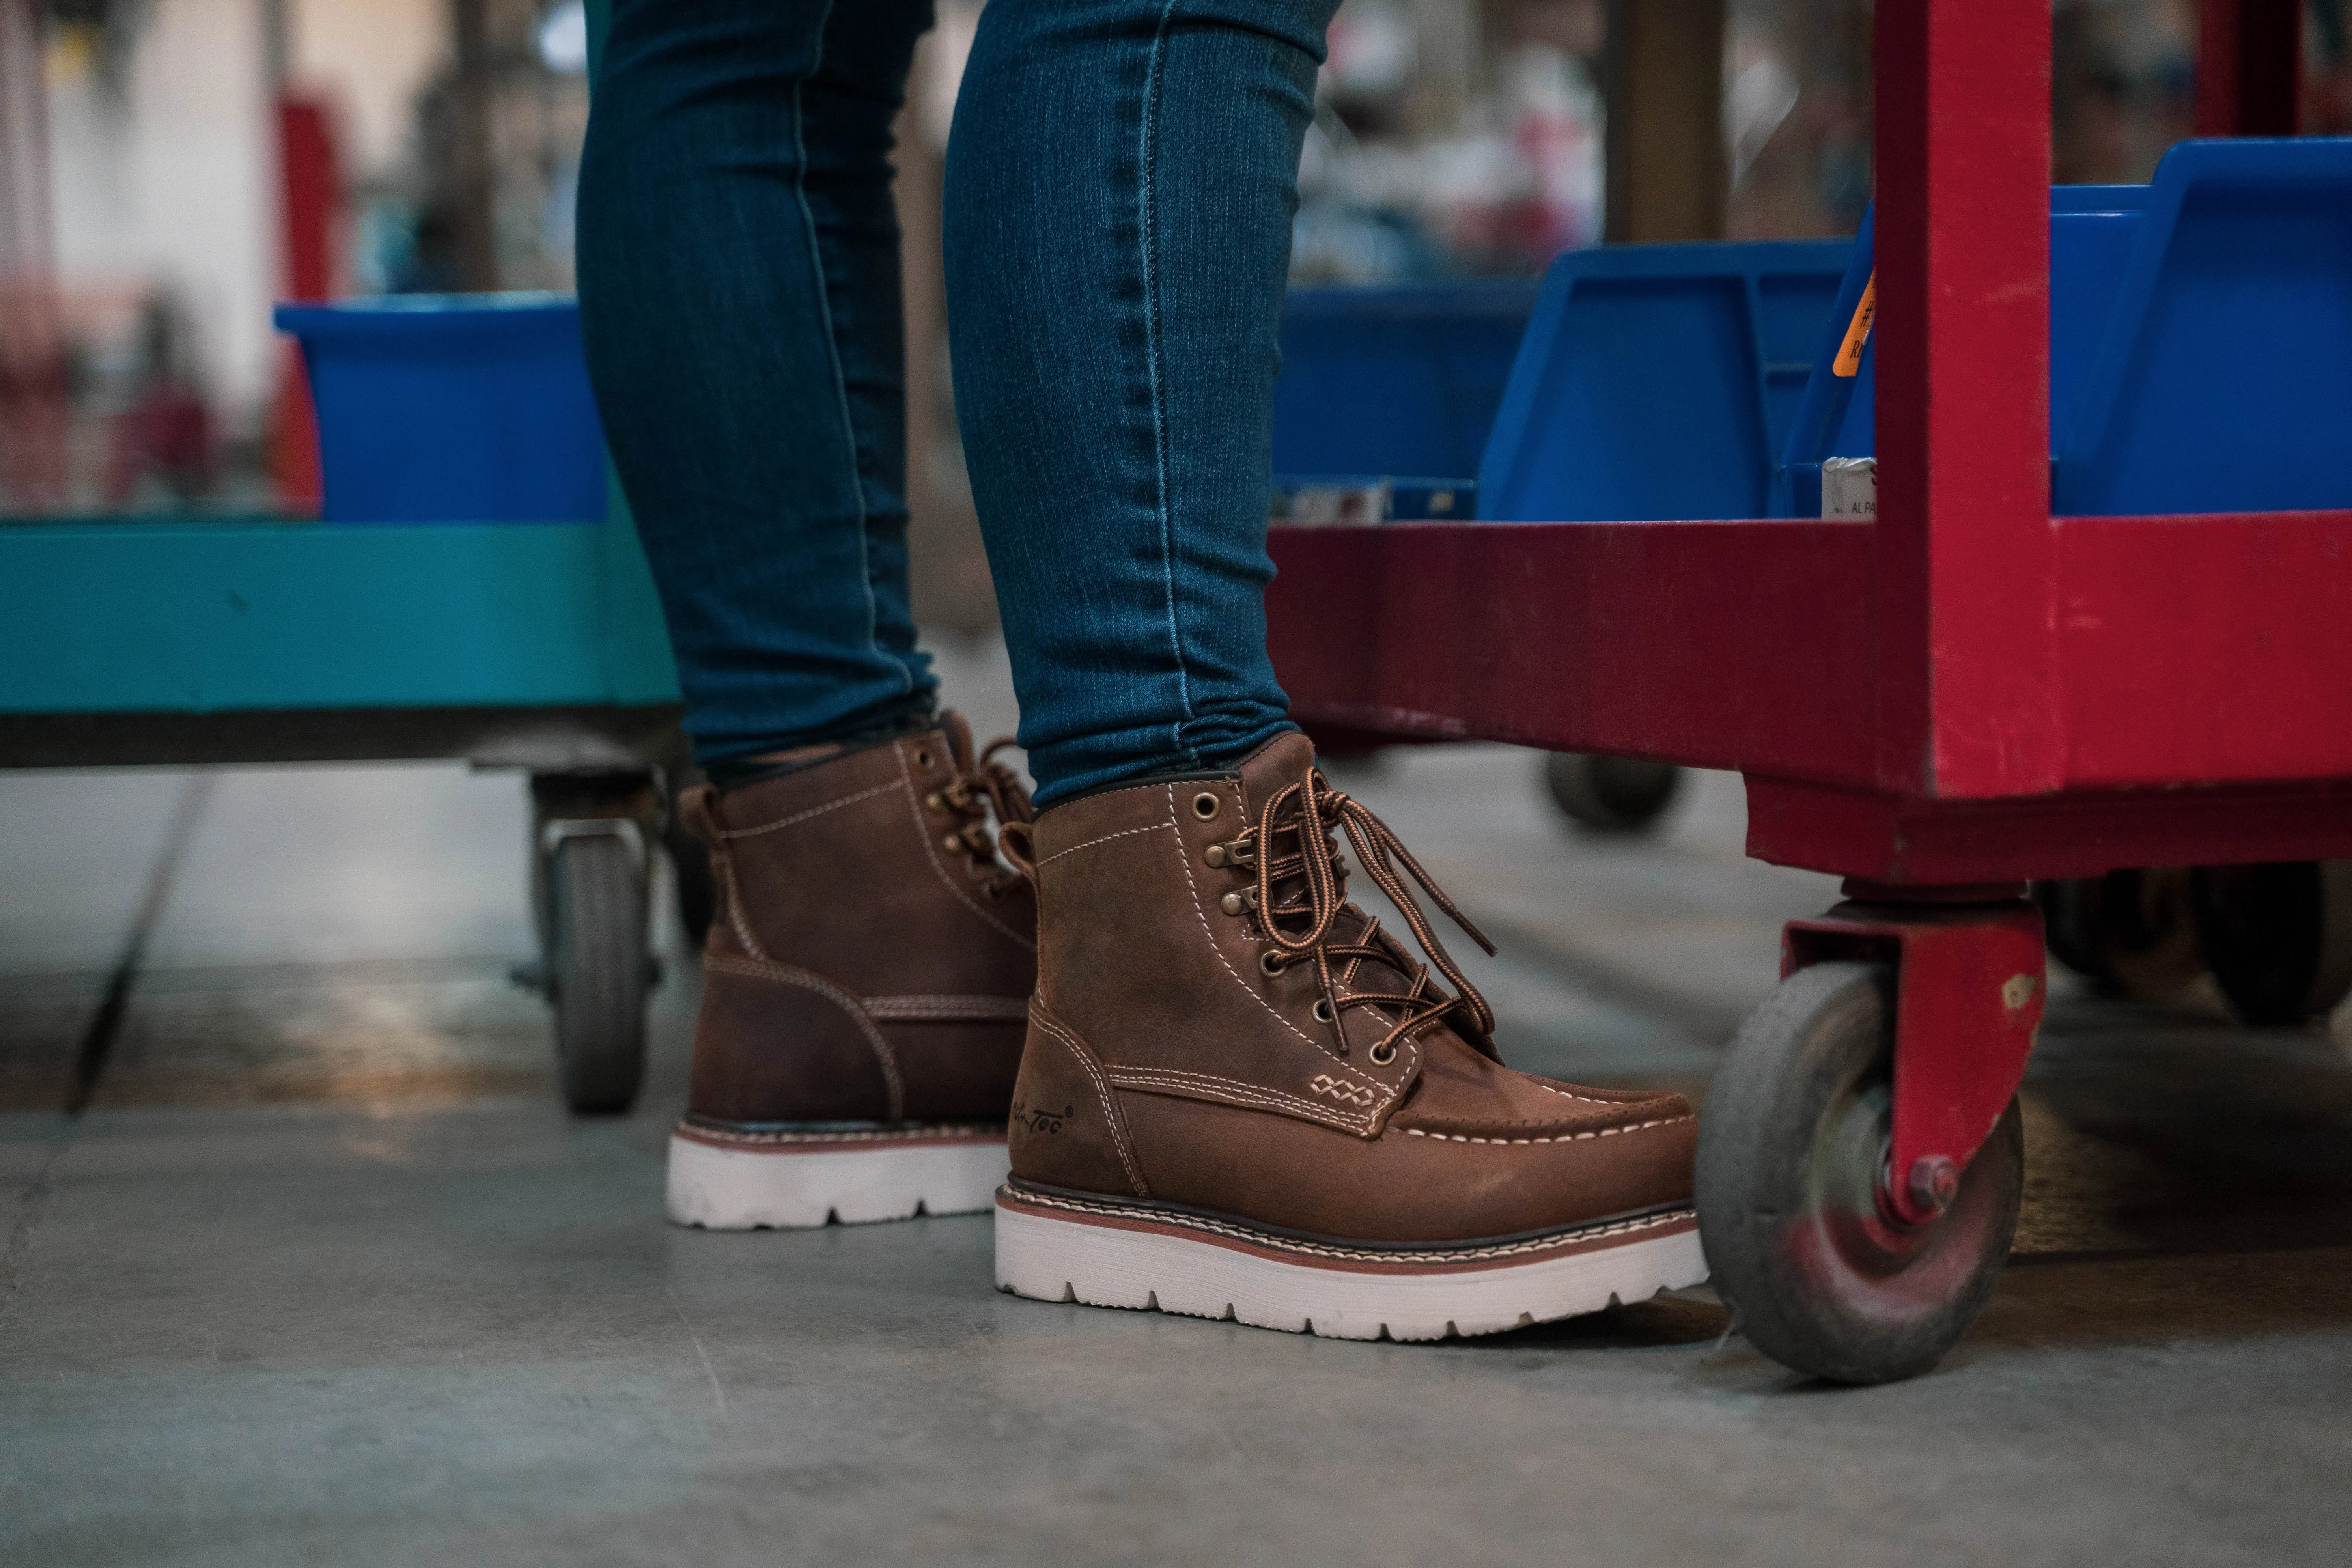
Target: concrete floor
{"points": [[321, 1272]]}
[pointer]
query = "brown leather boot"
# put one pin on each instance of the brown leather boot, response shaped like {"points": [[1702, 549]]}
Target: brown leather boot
{"points": [[1241, 1098], [864, 989]]}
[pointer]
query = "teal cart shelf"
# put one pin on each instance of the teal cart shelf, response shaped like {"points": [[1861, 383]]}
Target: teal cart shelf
{"points": [[532, 646]]}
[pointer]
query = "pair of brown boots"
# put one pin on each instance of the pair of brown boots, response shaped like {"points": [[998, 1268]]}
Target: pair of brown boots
{"points": [[1229, 1091]]}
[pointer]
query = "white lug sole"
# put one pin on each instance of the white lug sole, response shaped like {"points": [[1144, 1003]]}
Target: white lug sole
{"points": [[794, 1181], [1055, 1248]]}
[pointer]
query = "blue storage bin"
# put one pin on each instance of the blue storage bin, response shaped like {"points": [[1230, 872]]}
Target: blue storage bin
{"points": [[2200, 340], [2090, 232], [456, 409], [1659, 381], [1382, 382], [2223, 378]]}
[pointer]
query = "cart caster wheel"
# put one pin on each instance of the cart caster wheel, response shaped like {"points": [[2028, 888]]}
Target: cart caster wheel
{"points": [[2279, 937], [1792, 1146], [1611, 794], [2134, 930], [597, 971]]}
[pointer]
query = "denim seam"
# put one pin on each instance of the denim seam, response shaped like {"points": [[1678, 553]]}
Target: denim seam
{"points": [[1149, 199], [832, 353]]}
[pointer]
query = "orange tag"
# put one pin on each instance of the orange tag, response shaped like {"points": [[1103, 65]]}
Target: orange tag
{"points": [[1848, 362]]}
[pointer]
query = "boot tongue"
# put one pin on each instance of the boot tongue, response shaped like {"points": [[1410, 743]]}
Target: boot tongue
{"points": [[958, 734], [1286, 760]]}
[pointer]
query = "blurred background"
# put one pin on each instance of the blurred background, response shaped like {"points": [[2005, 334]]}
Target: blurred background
{"points": [[306, 1260], [168, 168]]}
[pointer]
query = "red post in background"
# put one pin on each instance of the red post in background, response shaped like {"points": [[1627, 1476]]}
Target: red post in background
{"points": [[309, 193], [1967, 664], [2248, 67]]}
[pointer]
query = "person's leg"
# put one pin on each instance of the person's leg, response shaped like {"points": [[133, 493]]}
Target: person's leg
{"points": [[863, 991], [1121, 187], [738, 288], [1256, 1102]]}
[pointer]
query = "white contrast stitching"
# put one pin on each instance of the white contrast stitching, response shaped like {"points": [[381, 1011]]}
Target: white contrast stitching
{"points": [[1124, 833], [1151, 789], [1564, 1094], [1102, 1092], [734, 833], [1562, 1138], [734, 902], [1242, 1094], [975, 1009], [978, 1132], [931, 853], [1350, 1254], [1176, 1077], [768, 969]]}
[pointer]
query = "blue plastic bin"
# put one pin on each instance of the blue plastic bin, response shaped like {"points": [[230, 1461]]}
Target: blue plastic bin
{"points": [[1383, 383], [2200, 340], [458, 408], [1659, 381]]}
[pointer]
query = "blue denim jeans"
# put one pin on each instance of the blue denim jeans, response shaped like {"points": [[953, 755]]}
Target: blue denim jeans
{"points": [[1120, 184]]}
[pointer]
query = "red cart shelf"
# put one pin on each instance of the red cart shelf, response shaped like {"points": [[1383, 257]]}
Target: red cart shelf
{"points": [[1939, 704]]}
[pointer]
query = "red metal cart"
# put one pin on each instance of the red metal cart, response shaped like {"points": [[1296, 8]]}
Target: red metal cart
{"points": [[1938, 705]]}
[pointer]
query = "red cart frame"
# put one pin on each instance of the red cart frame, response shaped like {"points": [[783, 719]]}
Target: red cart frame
{"points": [[1939, 704]]}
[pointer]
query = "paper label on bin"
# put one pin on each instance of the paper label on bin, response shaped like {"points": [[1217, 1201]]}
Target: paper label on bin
{"points": [[1850, 487]]}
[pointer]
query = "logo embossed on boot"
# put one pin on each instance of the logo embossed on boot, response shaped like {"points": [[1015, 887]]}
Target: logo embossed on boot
{"points": [[1044, 1121], [1340, 1088]]}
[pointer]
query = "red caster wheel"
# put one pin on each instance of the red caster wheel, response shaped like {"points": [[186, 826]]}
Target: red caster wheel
{"points": [[1818, 1271]]}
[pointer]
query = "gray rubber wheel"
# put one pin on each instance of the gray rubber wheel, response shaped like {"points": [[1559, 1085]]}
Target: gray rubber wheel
{"points": [[597, 971], [1611, 794], [2278, 937], [1791, 1147], [2133, 932]]}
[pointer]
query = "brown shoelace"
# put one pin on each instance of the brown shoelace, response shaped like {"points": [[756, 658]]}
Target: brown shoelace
{"points": [[1316, 886], [978, 789]]}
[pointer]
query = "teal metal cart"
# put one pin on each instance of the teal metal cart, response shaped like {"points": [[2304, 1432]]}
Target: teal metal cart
{"points": [[532, 646]]}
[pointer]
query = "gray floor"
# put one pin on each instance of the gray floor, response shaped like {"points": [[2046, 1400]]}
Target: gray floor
{"points": [[320, 1273]]}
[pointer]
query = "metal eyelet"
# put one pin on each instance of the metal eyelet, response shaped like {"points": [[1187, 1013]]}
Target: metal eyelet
{"points": [[922, 756], [1322, 1009], [1271, 962], [1382, 1054], [1239, 903], [937, 802], [1205, 805]]}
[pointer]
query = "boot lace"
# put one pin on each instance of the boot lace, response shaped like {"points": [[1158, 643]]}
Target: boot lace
{"points": [[1302, 899], [978, 789]]}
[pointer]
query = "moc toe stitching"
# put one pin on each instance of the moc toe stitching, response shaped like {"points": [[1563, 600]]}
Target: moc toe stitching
{"points": [[1550, 1138]]}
